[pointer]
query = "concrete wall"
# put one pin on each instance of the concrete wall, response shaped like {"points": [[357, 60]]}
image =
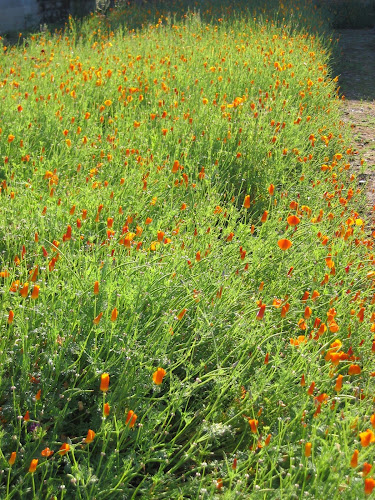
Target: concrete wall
{"points": [[18, 15]]}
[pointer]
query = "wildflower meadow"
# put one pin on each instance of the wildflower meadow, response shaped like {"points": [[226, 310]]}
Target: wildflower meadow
{"points": [[186, 259]]}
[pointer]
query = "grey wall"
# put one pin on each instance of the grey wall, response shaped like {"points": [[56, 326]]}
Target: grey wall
{"points": [[18, 15]]}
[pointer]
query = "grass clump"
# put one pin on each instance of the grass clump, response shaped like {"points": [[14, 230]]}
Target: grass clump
{"points": [[186, 275]]}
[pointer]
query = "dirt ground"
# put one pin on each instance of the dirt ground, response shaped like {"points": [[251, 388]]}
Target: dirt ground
{"points": [[356, 70]]}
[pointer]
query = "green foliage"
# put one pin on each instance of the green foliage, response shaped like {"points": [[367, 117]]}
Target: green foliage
{"points": [[127, 155]]}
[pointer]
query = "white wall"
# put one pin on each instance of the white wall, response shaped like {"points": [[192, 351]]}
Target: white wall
{"points": [[16, 15]]}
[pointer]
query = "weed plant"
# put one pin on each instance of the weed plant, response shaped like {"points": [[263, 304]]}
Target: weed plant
{"points": [[187, 280]]}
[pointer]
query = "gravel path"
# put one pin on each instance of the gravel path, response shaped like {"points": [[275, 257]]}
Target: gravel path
{"points": [[356, 68]]}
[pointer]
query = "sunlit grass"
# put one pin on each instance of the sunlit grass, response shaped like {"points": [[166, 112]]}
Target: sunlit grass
{"points": [[186, 271]]}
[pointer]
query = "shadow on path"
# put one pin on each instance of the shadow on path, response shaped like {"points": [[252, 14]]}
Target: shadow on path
{"points": [[356, 69], [356, 63]]}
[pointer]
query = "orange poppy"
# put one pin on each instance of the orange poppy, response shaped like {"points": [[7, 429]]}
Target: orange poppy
{"points": [[253, 425], [46, 452], [106, 409], [33, 465], [90, 436], [369, 485], [293, 220], [354, 459], [158, 376], [104, 382], [114, 314], [12, 458], [131, 418], [64, 448], [181, 314], [367, 437], [338, 384], [284, 244], [246, 203]]}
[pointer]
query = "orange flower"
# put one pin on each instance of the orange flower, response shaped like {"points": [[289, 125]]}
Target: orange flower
{"points": [[271, 189], [114, 314], [27, 416], [38, 395], [260, 313], [293, 220], [253, 425], [46, 452], [369, 485], [308, 449], [354, 370], [96, 287], [367, 437], [24, 290], [104, 382], [10, 317], [131, 418], [108, 102], [12, 458], [181, 314], [106, 409], [90, 436], [148, 221], [11, 138], [33, 465], [64, 448], [354, 459], [158, 376], [310, 390], [366, 468], [372, 419], [308, 312], [284, 244], [338, 385], [264, 216], [96, 321], [246, 203], [35, 292]]}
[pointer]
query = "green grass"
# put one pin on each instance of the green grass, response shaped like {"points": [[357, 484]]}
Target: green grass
{"points": [[188, 115]]}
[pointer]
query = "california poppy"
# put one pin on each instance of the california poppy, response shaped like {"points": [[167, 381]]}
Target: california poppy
{"points": [[90, 436], [131, 418], [246, 203], [12, 458], [369, 485], [367, 437], [64, 448], [253, 425], [293, 220], [114, 314], [106, 409], [354, 459], [46, 452], [158, 376], [284, 244], [338, 384], [10, 317], [308, 449], [104, 382], [33, 465], [181, 314]]}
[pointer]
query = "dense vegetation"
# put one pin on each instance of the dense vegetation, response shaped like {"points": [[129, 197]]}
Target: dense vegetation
{"points": [[187, 274]]}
